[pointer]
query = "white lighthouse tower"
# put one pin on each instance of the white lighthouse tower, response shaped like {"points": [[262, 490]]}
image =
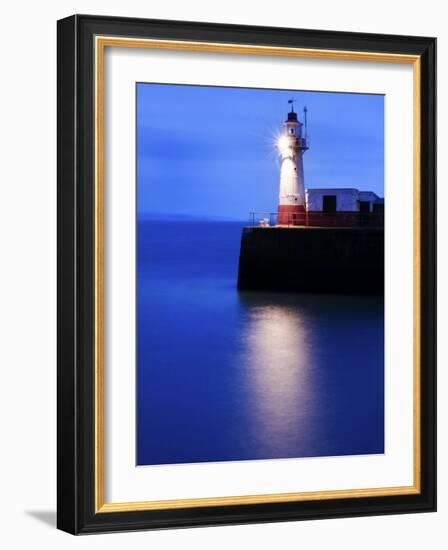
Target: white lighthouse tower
{"points": [[291, 146]]}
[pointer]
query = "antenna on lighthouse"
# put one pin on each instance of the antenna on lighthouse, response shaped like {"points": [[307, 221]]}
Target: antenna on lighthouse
{"points": [[305, 111], [292, 101]]}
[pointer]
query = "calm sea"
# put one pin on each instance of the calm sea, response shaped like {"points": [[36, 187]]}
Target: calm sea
{"points": [[228, 375]]}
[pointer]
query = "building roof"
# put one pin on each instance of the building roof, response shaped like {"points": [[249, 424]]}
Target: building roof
{"points": [[336, 189], [332, 189]]}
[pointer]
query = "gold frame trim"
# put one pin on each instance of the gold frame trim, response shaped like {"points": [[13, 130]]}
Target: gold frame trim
{"points": [[101, 42]]}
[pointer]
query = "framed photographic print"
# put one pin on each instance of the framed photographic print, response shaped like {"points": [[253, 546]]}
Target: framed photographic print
{"points": [[246, 274]]}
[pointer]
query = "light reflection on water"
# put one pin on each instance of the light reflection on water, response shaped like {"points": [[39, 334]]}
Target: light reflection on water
{"points": [[277, 374]]}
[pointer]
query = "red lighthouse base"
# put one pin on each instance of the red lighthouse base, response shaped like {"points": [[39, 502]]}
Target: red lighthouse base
{"points": [[291, 214]]}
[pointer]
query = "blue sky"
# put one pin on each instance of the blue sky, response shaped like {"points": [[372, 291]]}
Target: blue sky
{"points": [[210, 151]]}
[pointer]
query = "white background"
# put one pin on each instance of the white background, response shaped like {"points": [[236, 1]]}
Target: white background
{"points": [[123, 481], [28, 274]]}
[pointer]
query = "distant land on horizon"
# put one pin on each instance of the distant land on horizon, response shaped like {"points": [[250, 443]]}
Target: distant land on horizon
{"points": [[176, 217]]}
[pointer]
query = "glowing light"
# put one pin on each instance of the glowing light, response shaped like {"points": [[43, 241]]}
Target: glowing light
{"points": [[283, 143]]}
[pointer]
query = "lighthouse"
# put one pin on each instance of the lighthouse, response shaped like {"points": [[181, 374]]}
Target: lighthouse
{"points": [[291, 146], [308, 241]]}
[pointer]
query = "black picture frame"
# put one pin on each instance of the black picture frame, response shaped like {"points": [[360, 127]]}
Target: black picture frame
{"points": [[76, 287]]}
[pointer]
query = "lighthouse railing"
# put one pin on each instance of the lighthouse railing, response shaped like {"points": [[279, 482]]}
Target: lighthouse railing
{"points": [[316, 219]]}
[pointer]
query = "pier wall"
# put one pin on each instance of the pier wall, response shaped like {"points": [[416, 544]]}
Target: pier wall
{"points": [[312, 259]]}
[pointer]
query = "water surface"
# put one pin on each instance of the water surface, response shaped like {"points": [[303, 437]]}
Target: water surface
{"points": [[228, 375]]}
